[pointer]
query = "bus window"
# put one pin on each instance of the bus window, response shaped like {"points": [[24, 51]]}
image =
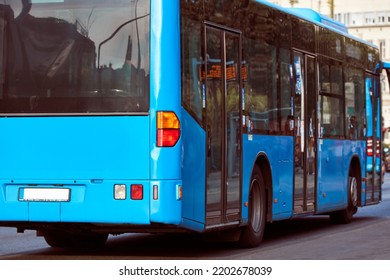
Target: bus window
{"points": [[6, 14], [331, 99], [65, 58], [285, 92], [354, 103], [261, 99], [192, 63], [332, 124]]}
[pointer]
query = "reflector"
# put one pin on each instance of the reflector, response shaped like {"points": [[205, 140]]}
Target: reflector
{"points": [[155, 192], [137, 192], [179, 194]]}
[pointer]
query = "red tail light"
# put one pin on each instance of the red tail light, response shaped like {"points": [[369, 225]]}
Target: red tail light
{"points": [[370, 147], [137, 192], [168, 129], [370, 150], [378, 148]]}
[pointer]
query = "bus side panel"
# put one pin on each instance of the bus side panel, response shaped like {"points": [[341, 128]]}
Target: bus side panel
{"points": [[193, 172], [281, 164], [332, 175], [351, 149], [165, 164], [364, 163], [283, 209], [165, 82]]}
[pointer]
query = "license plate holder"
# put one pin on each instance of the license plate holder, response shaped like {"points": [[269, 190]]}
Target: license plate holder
{"points": [[44, 194]]}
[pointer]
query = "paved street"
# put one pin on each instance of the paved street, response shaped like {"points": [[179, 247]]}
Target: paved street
{"points": [[367, 237]]}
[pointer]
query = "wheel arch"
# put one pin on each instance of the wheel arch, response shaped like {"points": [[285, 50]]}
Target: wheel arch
{"points": [[264, 165], [355, 168]]}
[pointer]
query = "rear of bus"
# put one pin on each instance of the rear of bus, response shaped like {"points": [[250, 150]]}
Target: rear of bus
{"points": [[83, 128]]}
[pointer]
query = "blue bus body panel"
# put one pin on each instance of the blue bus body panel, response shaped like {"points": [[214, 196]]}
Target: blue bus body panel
{"points": [[167, 208], [281, 162], [89, 202], [386, 65], [194, 173], [165, 79], [331, 174], [87, 155], [334, 159], [55, 148], [359, 148], [90, 154]]}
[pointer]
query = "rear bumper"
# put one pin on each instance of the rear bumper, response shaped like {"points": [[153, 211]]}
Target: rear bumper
{"points": [[90, 201]]}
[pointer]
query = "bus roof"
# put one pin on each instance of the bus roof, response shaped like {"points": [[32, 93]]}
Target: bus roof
{"points": [[386, 64], [318, 19]]}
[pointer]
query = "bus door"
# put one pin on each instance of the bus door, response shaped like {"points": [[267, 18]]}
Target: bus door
{"points": [[305, 133], [373, 132], [222, 109]]}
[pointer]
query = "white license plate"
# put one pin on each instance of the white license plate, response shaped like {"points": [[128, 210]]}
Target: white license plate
{"points": [[44, 194]]}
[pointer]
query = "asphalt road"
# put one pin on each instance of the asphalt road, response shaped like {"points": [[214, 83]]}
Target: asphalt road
{"points": [[310, 238]]}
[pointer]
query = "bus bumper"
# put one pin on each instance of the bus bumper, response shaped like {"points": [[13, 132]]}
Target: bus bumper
{"points": [[92, 201]]}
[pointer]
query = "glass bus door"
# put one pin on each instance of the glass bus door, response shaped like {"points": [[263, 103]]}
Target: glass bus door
{"points": [[305, 152], [374, 159], [222, 109]]}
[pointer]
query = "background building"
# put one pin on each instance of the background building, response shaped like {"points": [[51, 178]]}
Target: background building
{"points": [[320, 6], [368, 20]]}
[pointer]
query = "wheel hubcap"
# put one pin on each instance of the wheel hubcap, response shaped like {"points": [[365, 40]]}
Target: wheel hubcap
{"points": [[353, 191], [255, 211]]}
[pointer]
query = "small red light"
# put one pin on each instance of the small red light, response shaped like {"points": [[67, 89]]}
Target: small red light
{"points": [[167, 137], [137, 192], [370, 151], [378, 148]]}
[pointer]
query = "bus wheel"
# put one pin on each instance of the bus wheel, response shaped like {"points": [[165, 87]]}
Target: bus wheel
{"points": [[75, 240], [252, 234], [345, 216]]}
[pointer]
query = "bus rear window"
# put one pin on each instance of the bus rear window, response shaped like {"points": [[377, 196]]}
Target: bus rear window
{"points": [[74, 56]]}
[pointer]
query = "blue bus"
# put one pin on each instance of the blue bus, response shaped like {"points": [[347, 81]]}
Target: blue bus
{"points": [[181, 116]]}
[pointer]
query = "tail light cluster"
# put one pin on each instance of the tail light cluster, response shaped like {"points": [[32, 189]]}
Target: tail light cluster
{"points": [[370, 147], [370, 150], [168, 129], [168, 134], [136, 191]]}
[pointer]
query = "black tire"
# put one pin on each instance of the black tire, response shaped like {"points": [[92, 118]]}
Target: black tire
{"points": [[60, 239], [345, 216], [252, 234]]}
